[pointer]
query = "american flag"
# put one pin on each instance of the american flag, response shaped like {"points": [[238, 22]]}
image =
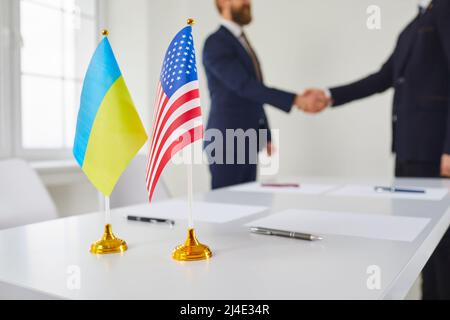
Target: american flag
{"points": [[177, 117]]}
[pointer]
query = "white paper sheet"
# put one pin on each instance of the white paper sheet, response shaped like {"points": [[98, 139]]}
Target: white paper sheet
{"points": [[435, 194], [202, 211], [302, 189], [348, 224]]}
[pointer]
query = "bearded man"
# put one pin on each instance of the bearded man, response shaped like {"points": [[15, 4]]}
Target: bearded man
{"points": [[238, 93]]}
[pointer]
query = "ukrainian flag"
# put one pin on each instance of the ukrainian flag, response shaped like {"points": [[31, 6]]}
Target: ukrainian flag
{"points": [[109, 131]]}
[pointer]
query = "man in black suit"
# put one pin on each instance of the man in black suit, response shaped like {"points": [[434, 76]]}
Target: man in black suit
{"points": [[419, 71], [238, 93]]}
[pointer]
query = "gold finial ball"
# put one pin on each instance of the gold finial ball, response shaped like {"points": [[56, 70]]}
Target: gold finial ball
{"points": [[190, 21], [105, 32]]}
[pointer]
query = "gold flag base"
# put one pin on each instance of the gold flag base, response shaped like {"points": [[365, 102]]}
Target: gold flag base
{"points": [[109, 243], [191, 250]]}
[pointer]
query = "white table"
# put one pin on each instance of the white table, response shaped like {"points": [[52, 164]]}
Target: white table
{"points": [[35, 259]]}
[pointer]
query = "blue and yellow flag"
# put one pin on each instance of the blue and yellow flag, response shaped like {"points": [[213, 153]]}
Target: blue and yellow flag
{"points": [[109, 130]]}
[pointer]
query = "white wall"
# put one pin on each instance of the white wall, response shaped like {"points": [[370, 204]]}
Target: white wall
{"points": [[129, 30], [323, 43], [300, 43]]}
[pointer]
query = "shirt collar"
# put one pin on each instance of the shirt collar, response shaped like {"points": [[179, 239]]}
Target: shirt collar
{"points": [[232, 26], [424, 3]]}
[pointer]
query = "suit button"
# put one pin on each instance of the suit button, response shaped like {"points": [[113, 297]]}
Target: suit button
{"points": [[400, 80], [394, 118]]}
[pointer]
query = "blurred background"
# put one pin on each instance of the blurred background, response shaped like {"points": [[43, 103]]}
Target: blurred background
{"points": [[46, 46]]}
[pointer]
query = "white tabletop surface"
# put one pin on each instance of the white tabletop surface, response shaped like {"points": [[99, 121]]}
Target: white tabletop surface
{"points": [[36, 259]]}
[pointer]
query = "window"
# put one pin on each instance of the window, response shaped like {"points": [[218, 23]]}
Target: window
{"points": [[5, 82], [45, 50], [58, 38]]}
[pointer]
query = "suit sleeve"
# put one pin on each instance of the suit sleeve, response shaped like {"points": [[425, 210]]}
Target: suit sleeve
{"points": [[374, 83], [442, 11], [222, 63]]}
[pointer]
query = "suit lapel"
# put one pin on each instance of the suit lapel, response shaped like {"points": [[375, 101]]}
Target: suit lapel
{"points": [[409, 38], [406, 44], [242, 52]]}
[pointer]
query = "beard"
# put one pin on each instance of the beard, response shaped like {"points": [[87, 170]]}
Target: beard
{"points": [[242, 16]]}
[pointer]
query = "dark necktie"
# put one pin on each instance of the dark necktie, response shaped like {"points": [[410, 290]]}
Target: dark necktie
{"points": [[252, 54]]}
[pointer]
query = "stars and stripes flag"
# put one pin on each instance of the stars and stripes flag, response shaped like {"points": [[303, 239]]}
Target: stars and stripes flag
{"points": [[177, 117]]}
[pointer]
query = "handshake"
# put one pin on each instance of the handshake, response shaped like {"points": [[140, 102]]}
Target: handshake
{"points": [[312, 100]]}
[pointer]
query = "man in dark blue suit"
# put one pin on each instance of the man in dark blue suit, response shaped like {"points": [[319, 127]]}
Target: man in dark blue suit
{"points": [[238, 94], [419, 71]]}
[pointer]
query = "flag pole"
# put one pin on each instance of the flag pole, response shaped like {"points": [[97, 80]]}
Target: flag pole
{"points": [[190, 186], [107, 211], [108, 243], [192, 249], [190, 192]]}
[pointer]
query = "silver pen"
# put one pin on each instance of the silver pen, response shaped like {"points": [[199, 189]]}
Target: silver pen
{"points": [[283, 233]]}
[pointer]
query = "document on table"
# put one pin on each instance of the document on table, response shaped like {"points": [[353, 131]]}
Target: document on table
{"points": [[270, 188], [202, 211], [316, 222], [435, 194]]}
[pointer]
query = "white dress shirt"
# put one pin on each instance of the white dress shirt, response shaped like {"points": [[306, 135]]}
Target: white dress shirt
{"points": [[236, 30], [424, 3]]}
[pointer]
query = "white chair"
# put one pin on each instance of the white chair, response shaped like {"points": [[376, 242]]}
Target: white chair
{"points": [[23, 197], [131, 190]]}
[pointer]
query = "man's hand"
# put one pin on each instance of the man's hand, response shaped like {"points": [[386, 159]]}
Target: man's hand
{"points": [[312, 101], [270, 149], [445, 165]]}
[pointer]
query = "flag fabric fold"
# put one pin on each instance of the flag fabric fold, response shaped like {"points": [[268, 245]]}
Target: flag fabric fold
{"points": [[177, 117], [109, 130]]}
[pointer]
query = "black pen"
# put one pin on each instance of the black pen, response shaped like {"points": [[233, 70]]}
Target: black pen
{"points": [[151, 220], [394, 189]]}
